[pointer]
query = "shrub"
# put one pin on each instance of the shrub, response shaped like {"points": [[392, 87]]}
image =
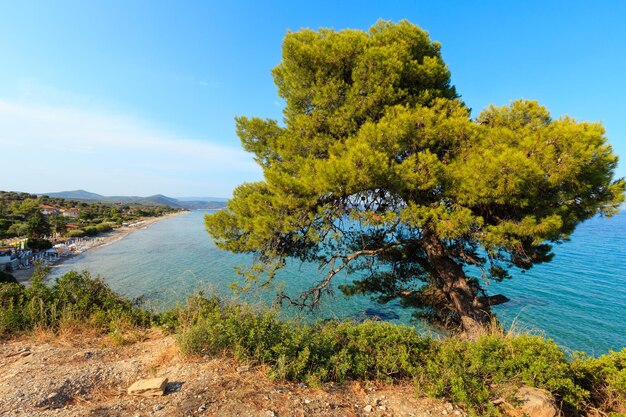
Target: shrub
{"points": [[469, 373], [75, 297], [605, 378], [330, 351], [103, 227], [473, 373], [75, 233], [13, 317], [90, 231]]}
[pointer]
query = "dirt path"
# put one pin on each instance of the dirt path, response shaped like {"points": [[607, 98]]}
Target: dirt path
{"points": [[50, 378]]}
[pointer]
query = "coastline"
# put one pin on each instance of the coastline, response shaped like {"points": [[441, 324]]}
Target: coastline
{"points": [[23, 275]]}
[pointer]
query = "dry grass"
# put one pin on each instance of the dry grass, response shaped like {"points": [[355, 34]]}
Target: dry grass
{"points": [[78, 335], [167, 356], [72, 333], [495, 329]]}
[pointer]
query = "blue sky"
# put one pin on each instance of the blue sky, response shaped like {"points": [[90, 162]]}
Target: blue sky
{"points": [[138, 97]]}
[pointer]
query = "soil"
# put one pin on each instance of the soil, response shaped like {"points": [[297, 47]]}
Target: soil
{"points": [[74, 375]]}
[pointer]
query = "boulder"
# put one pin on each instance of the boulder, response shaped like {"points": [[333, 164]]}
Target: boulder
{"points": [[153, 387], [536, 402]]}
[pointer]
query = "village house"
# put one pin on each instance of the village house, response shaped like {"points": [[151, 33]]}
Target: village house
{"points": [[72, 212], [49, 210]]}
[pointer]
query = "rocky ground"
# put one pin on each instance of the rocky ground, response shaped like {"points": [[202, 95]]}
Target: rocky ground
{"points": [[74, 375]]}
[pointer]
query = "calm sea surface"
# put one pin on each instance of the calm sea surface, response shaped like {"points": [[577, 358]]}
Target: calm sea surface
{"points": [[579, 299]]}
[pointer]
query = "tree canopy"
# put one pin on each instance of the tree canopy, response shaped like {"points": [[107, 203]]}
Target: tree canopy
{"points": [[378, 168]]}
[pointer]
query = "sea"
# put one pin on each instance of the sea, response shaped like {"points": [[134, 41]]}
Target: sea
{"points": [[578, 299]]}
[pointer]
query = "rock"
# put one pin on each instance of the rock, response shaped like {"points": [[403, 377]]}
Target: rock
{"points": [[54, 400], [148, 387], [494, 300], [270, 413], [368, 408], [536, 402], [173, 387]]}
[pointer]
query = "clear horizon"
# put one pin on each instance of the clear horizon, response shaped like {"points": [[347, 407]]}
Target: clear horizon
{"points": [[139, 98]]}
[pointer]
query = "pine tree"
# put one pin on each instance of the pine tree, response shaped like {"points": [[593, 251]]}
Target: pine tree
{"points": [[379, 168]]}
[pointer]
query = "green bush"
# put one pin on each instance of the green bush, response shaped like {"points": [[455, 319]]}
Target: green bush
{"points": [[605, 378], [473, 373], [75, 233], [331, 351], [75, 297], [103, 227], [336, 351], [90, 231]]}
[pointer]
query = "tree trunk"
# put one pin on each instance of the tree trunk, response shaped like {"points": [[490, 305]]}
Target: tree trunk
{"points": [[464, 308]]}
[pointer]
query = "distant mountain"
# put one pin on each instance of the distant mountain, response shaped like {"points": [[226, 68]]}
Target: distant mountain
{"points": [[222, 199], [153, 200], [202, 205], [75, 195], [161, 200]]}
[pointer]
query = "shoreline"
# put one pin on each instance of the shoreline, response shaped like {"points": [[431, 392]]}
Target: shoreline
{"points": [[23, 275]]}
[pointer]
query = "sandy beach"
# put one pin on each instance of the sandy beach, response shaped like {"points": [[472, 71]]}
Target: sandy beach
{"points": [[23, 275]]}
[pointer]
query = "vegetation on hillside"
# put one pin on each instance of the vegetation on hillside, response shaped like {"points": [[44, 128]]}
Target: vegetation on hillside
{"points": [[468, 373], [21, 216], [74, 299]]}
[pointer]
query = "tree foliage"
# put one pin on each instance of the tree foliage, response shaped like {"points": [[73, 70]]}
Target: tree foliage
{"points": [[379, 169], [38, 226], [20, 214]]}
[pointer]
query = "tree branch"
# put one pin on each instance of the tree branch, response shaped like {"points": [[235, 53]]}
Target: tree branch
{"points": [[315, 292]]}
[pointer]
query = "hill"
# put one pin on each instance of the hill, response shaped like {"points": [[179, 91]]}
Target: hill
{"points": [[76, 195], [220, 199], [154, 200], [161, 200]]}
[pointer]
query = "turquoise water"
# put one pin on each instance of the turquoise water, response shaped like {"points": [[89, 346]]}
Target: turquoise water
{"points": [[579, 299]]}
